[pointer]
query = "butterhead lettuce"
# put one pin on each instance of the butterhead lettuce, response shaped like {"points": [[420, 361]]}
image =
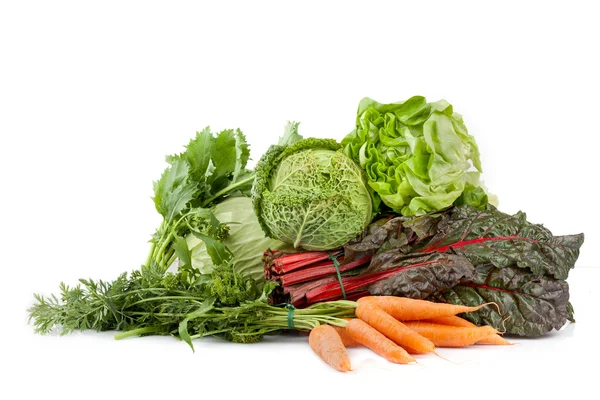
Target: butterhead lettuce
{"points": [[418, 156]]}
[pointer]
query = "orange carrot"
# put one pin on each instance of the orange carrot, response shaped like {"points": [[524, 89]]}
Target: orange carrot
{"points": [[347, 339], [452, 320], [458, 321], [451, 336], [325, 341], [376, 341], [405, 309], [392, 328]]}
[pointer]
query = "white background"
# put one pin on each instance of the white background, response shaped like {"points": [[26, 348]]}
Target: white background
{"points": [[93, 95]]}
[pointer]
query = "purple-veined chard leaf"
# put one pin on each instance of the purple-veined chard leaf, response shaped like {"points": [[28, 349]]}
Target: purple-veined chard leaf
{"points": [[388, 232], [530, 305], [490, 236], [416, 276]]}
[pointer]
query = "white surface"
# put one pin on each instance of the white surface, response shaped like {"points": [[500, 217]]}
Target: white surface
{"points": [[92, 97]]}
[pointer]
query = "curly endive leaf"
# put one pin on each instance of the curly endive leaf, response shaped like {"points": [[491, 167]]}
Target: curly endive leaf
{"points": [[530, 305]]}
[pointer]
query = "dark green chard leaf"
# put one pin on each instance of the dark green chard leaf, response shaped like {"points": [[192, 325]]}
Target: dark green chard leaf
{"points": [[390, 232], [384, 232], [490, 236], [531, 305], [416, 276]]}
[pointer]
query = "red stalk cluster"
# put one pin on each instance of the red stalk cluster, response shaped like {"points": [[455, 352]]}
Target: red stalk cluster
{"points": [[307, 277]]}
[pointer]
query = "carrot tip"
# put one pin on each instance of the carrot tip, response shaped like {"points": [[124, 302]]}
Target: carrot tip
{"points": [[443, 358], [490, 303]]}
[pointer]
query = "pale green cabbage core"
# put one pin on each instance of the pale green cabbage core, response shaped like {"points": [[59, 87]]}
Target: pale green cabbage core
{"points": [[316, 199], [247, 242]]}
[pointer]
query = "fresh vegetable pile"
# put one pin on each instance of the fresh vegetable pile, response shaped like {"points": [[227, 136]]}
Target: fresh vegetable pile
{"points": [[462, 255], [386, 239]]}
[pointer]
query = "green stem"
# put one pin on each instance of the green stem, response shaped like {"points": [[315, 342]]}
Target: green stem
{"points": [[150, 254], [227, 190], [166, 259], [135, 332], [171, 259], [199, 299], [156, 252]]}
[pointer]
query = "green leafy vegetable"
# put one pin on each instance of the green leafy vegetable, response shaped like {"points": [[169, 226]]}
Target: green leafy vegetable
{"points": [[416, 276], [416, 156], [213, 167], [309, 194], [246, 241], [531, 305], [484, 255], [186, 304], [491, 236]]}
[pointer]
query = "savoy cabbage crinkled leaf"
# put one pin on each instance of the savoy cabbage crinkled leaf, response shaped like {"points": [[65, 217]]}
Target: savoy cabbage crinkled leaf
{"points": [[309, 194], [418, 156]]}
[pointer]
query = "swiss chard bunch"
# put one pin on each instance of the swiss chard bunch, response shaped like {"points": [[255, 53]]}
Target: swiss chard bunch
{"points": [[503, 258], [462, 255]]}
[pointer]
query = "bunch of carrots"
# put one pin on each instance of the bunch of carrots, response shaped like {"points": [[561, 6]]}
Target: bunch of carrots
{"points": [[398, 327]]}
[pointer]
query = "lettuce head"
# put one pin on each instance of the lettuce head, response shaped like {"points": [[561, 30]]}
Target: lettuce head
{"points": [[418, 156]]}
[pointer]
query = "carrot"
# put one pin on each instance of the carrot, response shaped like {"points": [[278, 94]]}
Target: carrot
{"points": [[325, 341], [452, 320], [376, 341], [406, 309], [451, 336], [392, 328], [347, 339], [458, 321]]}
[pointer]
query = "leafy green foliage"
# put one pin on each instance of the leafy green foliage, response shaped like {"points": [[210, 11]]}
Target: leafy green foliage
{"points": [[174, 191], [471, 256], [189, 303], [311, 195], [213, 167], [416, 156], [229, 287], [491, 236], [417, 275], [186, 304], [535, 304]]}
